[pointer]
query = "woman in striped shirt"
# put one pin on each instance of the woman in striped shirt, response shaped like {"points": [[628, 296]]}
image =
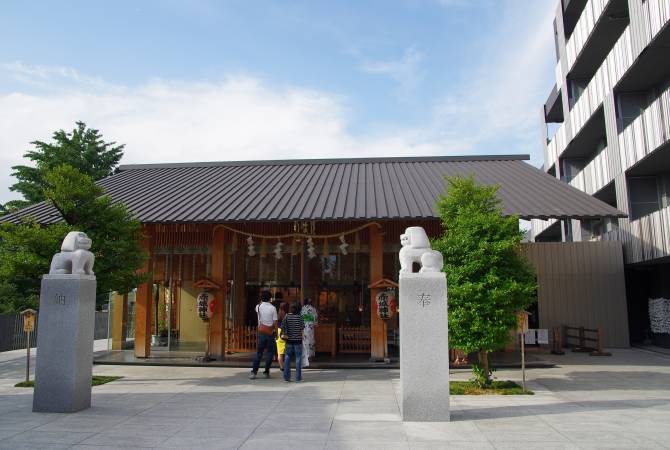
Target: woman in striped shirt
{"points": [[292, 329]]}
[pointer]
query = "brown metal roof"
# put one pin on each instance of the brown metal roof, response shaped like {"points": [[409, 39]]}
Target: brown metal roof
{"points": [[329, 189]]}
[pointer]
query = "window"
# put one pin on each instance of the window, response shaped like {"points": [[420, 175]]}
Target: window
{"points": [[577, 88], [643, 196], [571, 167], [629, 108]]}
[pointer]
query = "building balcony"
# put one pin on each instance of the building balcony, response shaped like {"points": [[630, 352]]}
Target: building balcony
{"points": [[653, 64], [554, 147], [572, 11], [644, 239], [553, 107], [589, 103], [618, 61], [599, 26], [545, 230], [595, 175], [649, 131]]}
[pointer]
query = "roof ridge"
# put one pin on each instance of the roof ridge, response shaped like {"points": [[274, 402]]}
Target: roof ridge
{"points": [[298, 162]]}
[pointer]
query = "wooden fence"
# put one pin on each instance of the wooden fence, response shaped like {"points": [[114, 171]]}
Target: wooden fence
{"points": [[241, 339], [354, 340], [350, 339], [12, 336]]}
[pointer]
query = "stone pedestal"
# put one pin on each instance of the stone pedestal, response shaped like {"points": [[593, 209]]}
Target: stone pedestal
{"points": [[424, 349], [65, 343]]}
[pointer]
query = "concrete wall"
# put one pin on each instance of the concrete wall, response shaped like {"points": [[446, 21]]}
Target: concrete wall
{"points": [[582, 284]]}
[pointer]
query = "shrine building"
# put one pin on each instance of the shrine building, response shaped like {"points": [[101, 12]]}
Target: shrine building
{"points": [[327, 229]]}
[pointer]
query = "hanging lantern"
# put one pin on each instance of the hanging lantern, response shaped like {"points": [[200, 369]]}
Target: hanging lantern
{"points": [[343, 245], [251, 247], [311, 253], [386, 304], [205, 304], [278, 249]]}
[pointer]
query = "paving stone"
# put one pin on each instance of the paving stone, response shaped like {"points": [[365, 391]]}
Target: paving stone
{"points": [[359, 409]]}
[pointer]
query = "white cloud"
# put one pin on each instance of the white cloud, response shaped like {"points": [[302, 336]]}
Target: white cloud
{"points": [[406, 71], [500, 100], [239, 118], [494, 110]]}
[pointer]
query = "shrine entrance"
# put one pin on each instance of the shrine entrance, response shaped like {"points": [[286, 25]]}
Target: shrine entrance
{"points": [[337, 264]]}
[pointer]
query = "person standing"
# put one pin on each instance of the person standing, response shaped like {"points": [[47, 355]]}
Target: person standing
{"points": [[311, 318], [267, 326], [281, 343], [292, 331]]}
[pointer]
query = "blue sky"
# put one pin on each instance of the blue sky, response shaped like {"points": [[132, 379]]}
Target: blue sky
{"points": [[234, 80]]}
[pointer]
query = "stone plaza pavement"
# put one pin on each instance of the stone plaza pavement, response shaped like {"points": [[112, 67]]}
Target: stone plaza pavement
{"points": [[584, 402]]}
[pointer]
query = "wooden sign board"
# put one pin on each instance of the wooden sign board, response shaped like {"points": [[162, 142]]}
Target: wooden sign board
{"points": [[29, 320], [522, 322], [29, 323]]}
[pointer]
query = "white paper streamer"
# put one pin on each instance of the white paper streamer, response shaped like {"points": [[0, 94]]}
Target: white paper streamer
{"points": [[659, 315]]}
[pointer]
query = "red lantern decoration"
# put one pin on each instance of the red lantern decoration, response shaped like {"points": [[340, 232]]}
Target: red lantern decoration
{"points": [[205, 303], [386, 304]]}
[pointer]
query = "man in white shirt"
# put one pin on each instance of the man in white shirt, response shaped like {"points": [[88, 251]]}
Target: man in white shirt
{"points": [[267, 327]]}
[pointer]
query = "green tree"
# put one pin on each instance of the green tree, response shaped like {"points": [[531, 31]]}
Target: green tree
{"points": [[26, 249], [489, 279], [25, 254], [82, 148]]}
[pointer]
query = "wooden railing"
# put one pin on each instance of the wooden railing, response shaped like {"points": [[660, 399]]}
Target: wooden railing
{"points": [[354, 340], [241, 339], [582, 342], [350, 340]]}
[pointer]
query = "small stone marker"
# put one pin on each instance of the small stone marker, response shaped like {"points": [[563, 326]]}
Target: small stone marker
{"points": [[424, 339], [65, 334]]}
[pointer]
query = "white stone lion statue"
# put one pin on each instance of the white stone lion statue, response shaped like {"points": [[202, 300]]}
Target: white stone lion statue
{"points": [[416, 248], [74, 256]]}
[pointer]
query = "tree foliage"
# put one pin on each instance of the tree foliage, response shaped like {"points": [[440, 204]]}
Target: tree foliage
{"points": [[115, 233], [82, 148], [25, 254], [489, 279], [26, 249]]}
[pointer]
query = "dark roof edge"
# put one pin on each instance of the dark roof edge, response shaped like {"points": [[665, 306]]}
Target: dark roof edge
{"points": [[295, 162]]}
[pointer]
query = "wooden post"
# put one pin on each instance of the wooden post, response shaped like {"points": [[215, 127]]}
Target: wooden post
{"points": [[523, 362], [144, 303], [119, 318], [599, 345], [556, 342], [378, 347], [219, 276], [239, 287]]}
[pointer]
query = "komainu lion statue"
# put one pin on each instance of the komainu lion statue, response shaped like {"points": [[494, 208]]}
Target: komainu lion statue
{"points": [[74, 256], [416, 249]]}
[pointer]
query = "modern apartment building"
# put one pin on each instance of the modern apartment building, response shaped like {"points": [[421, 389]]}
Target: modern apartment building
{"points": [[607, 132]]}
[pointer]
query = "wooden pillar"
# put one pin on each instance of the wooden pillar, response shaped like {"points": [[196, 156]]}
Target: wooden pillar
{"points": [[119, 320], [217, 324], [378, 346], [239, 283], [143, 305], [303, 280]]}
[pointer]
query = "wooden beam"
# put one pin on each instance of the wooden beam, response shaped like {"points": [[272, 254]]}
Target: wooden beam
{"points": [[378, 346], [143, 304], [119, 320], [239, 286], [217, 324]]}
